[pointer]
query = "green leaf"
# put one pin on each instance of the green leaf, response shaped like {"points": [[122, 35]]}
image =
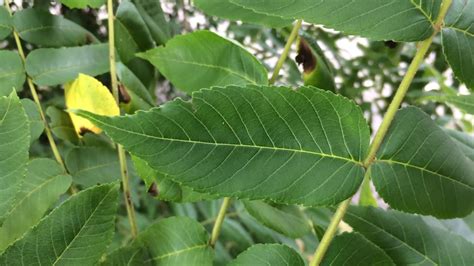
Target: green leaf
{"points": [[171, 241], [132, 35], [269, 254], [400, 20], [44, 183], [139, 95], [50, 66], [61, 125], [83, 3], [419, 169], [152, 14], [203, 59], [354, 249], [5, 23], [288, 220], [77, 232], [235, 235], [227, 9], [464, 141], [12, 72], [40, 27], [301, 147], [14, 143], [34, 118], [458, 40], [463, 102], [407, 240]]}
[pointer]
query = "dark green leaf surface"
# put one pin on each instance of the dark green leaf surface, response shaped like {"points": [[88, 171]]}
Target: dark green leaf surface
{"points": [[458, 40], [152, 14], [172, 241], [269, 254], [421, 170], [49, 66], [77, 232], [464, 141], [354, 249], [12, 72], [14, 144], [5, 23], [399, 20], [140, 97], [287, 220], [408, 240], [203, 59], [227, 9], [34, 118], [40, 27], [61, 125], [83, 3], [44, 183], [253, 142]]}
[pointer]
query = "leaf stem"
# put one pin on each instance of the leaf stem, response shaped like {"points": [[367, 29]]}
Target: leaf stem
{"points": [[286, 51], [219, 220], [36, 99], [120, 150], [423, 48]]}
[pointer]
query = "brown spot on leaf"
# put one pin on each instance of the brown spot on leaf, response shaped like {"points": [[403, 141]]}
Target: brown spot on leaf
{"points": [[306, 57], [124, 97], [84, 130], [153, 189]]}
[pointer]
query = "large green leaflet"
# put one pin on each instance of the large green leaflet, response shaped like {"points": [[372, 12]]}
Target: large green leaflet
{"points": [[77, 232], [40, 27], [227, 9], [203, 59], [172, 241], [399, 20], [408, 240], [51, 66], [12, 72], [458, 40], [420, 169], [5, 23], [354, 249], [14, 143], [302, 147], [268, 254], [44, 183], [152, 14]]}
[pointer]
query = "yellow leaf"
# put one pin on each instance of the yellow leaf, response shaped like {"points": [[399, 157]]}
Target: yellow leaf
{"points": [[87, 93]]}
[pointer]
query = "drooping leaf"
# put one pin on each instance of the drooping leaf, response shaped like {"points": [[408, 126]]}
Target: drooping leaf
{"points": [[34, 118], [171, 241], [87, 93], [463, 102], [44, 183], [140, 98], [354, 249], [302, 147], [407, 240], [287, 220], [203, 59], [227, 9], [5, 23], [419, 169], [380, 20], [464, 141], [269, 254], [51, 66], [83, 3], [40, 27], [12, 72], [77, 232], [61, 125], [152, 14], [14, 143], [458, 40]]}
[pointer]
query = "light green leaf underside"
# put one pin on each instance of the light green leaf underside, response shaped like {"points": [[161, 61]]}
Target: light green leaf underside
{"points": [[287, 220], [458, 40], [203, 59], [43, 185], [252, 142], [171, 241], [12, 72], [140, 97], [40, 27], [77, 232], [464, 141], [34, 118], [408, 240], [463, 102], [227, 9], [419, 169], [83, 3], [14, 145], [50, 66], [399, 20], [268, 254], [354, 249], [5, 23]]}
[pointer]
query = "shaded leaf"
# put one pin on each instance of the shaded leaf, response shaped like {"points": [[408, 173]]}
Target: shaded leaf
{"points": [[464, 141], [140, 97], [203, 59], [12, 72], [302, 147], [420, 169], [269, 254], [5, 23], [152, 14], [34, 118], [61, 125]]}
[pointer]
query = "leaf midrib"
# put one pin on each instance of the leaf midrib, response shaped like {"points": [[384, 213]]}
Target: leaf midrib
{"points": [[176, 252]]}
